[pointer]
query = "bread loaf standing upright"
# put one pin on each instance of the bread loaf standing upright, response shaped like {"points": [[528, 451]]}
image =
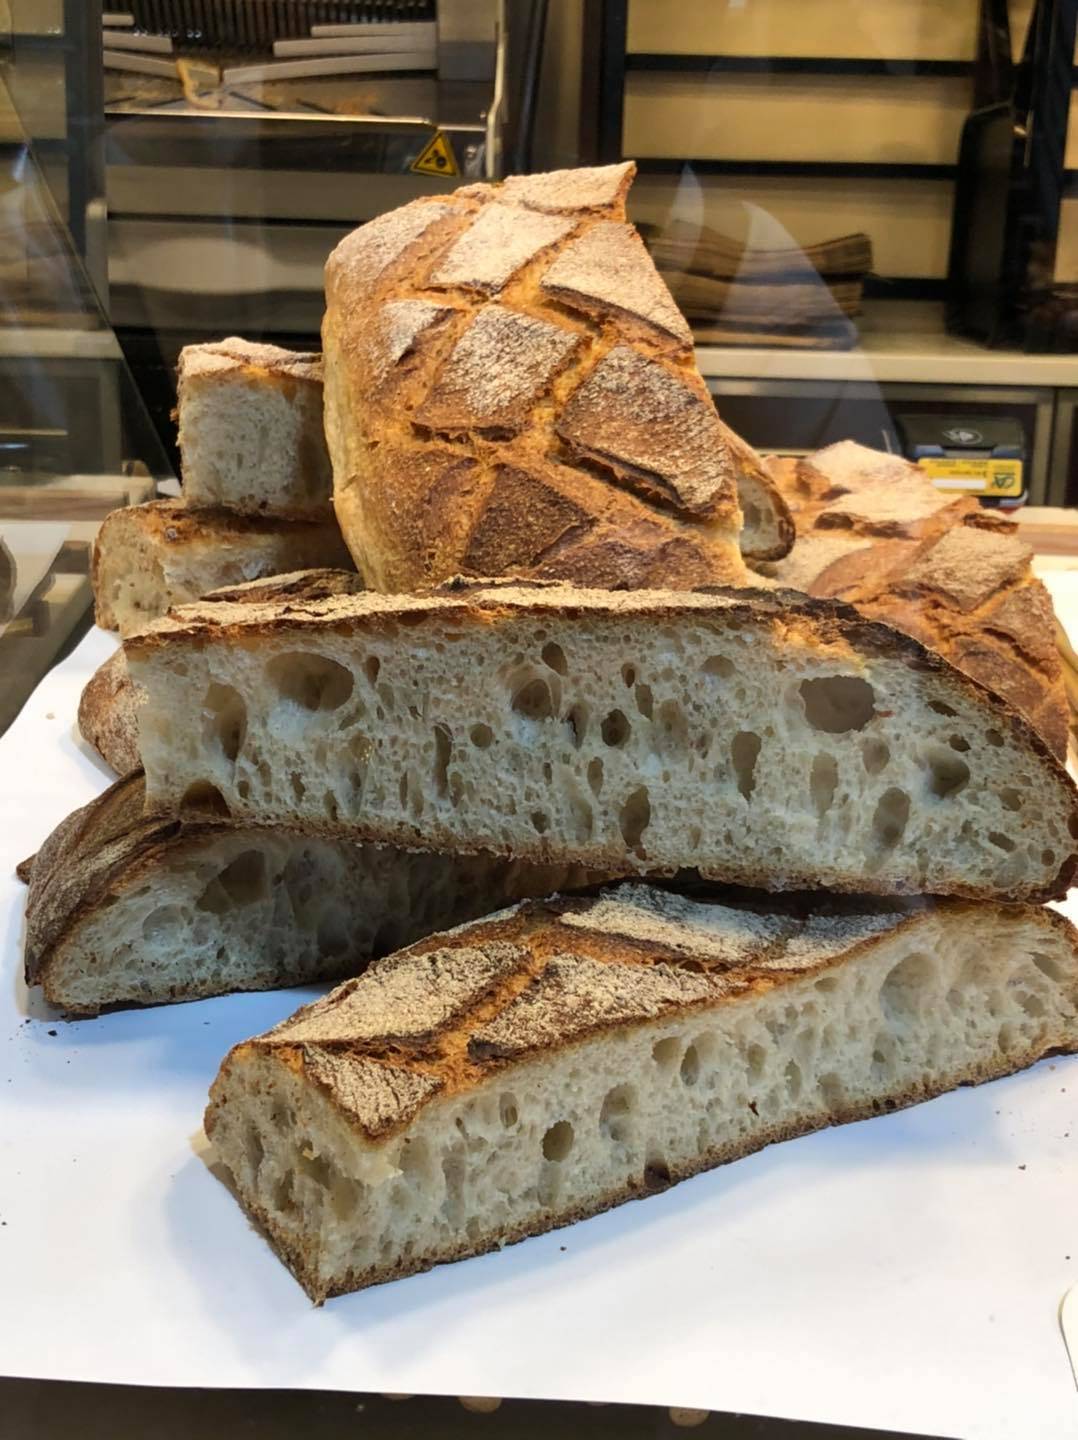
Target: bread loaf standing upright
{"points": [[250, 430], [510, 389]]}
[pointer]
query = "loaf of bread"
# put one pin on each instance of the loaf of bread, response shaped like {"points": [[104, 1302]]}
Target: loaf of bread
{"points": [[873, 530], [510, 389], [250, 430], [543, 1065], [150, 557], [767, 740], [125, 910]]}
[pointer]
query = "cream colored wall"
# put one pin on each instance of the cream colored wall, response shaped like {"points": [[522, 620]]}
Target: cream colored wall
{"points": [[771, 117]]}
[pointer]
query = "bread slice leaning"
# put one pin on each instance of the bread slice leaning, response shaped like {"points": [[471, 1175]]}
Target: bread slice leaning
{"points": [[150, 557], [123, 910], [540, 1066], [768, 740]]}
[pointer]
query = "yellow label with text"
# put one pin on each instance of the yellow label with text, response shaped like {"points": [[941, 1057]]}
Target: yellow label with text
{"points": [[1001, 479]]}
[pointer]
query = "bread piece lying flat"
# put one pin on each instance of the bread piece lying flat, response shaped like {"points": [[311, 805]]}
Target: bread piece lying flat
{"points": [[542, 1065], [872, 529], [125, 910], [767, 740], [511, 390], [108, 707], [250, 430], [148, 558]]}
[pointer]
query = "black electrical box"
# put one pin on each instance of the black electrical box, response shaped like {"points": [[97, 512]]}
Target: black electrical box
{"points": [[969, 454]]}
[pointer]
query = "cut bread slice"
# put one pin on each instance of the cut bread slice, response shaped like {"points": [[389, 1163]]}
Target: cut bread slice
{"points": [[767, 527], [250, 430], [767, 740], [150, 557], [542, 1065], [128, 911], [108, 707]]}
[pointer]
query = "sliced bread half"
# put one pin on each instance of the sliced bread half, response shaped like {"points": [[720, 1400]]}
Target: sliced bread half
{"points": [[128, 911], [150, 557], [540, 1066], [766, 740]]}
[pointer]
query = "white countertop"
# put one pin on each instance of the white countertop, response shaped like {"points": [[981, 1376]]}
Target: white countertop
{"points": [[902, 341]]}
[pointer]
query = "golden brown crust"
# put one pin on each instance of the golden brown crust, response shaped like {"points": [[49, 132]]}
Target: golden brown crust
{"points": [[108, 714], [871, 530], [455, 343]]}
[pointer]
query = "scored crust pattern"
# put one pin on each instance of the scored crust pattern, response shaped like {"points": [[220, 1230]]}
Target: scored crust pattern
{"points": [[437, 1017], [873, 530], [522, 331]]}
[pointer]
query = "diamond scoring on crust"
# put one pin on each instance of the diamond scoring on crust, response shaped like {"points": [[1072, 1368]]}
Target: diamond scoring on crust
{"points": [[609, 267]]}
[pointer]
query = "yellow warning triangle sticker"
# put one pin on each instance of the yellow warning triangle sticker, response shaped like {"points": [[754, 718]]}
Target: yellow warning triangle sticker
{"points": [[436, 157]]}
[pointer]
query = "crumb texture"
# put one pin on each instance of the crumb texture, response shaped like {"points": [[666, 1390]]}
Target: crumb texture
{"points": [[605, 1064], [762, 742]]}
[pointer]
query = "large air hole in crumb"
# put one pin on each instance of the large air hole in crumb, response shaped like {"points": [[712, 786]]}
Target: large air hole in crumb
{"points": [[995, 739], [284, 1199], [959, 743], [224, 717], [1001, 842], [313, 682], [558, 1141], [635, 817], [947, 774], [541, 821], [832, 1091], [891, 817], [615, 1122], [690, 1066], [481, 736], [718, 665], [837, 704], [1010, 799], [628, 675], [554, 656], [595, 775], [443, 749], [371, 667], [744, 751], [242, 882], [203, 798], [823, 782], [507, 1111], [665, 1052], [875, 755], [750, 515], [577, 721], [941, 708], [255, 1150], [793, 1079], [533, 700], [756, 1058], [906, 988], [1048, 965], [645, 701], [656, 1175], [615, 729]]}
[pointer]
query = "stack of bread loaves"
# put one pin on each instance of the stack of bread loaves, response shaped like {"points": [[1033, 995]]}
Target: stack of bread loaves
{"points": [[256, 488], [330, 773]]}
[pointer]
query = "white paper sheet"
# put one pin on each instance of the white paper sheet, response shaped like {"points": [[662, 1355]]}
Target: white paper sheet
{"points": [[902, 1273]]}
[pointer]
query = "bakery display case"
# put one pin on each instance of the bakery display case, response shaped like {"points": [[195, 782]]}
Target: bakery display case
{"points": [[537, 610]]}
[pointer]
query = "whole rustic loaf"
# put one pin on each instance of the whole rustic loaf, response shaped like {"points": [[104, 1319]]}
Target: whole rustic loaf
{"points": [[150, 557], [510, 389], [125, 910], [108, 707], [542, 1065], [250, 430], [873, 530], [768, 740]]}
